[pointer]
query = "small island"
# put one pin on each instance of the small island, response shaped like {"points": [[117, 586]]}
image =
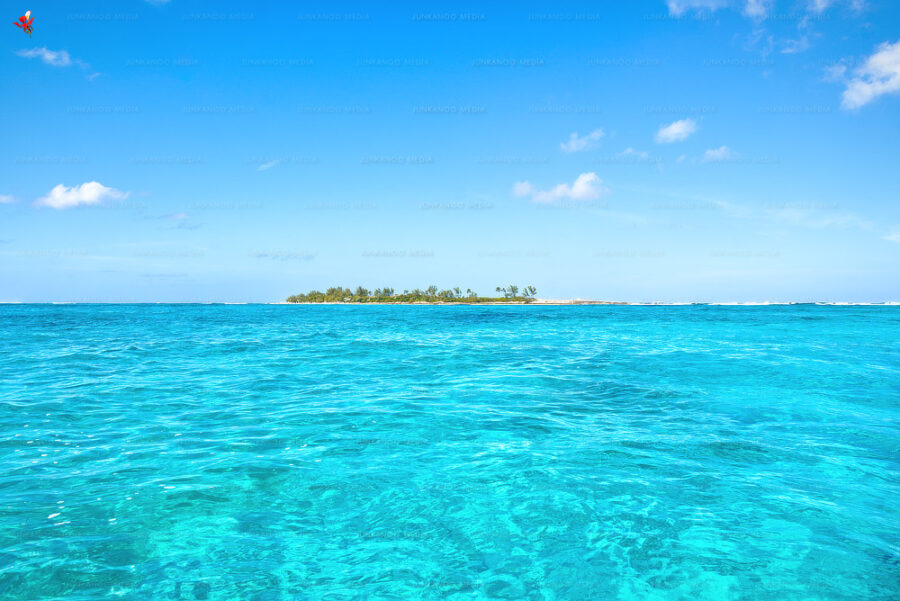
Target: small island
{"points": [[506, 295]]}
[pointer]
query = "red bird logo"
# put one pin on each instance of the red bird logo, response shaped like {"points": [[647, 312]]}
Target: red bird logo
{"points": [[25, 23]]}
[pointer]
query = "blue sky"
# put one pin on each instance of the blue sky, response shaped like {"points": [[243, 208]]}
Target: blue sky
{"points": [[707, 150]]}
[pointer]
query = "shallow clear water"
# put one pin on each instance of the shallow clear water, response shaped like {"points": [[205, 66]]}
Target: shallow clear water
{"points": [[334, 452]]}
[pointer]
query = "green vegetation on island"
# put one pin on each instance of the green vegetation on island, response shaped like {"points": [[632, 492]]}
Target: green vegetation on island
{"points": [[338, 294]]}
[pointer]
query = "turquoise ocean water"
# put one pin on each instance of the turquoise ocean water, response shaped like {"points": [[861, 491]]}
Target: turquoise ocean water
{"points": [[415, 452]]}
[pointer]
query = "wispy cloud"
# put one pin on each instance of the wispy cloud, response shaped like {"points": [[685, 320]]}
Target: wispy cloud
{"points": [[286, 255], [578, 143], [757, 9], [586, 186], [878, 75], [269, 165], [676, 132], [630, 152], [796, 46], [181, 221], [815, 218], [836, 72], [820, 6], [678, 8], [753, 9], [88, 193], [796, 214], [894, 235], [718, 155], [6, 199], [55, 58], [801, 214]]}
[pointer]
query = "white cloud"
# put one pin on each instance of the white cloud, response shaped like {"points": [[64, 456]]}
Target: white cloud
{"points": [[814, 218], [718, 155], [56, 58], [820, 6], [587, 186], [676, 132], [835, 72], [6, 199], [576, 143], [810, 215], [801, 44], [679, 7], [879, 75], [88, 193], [894, 236], [632, 153], [269, 165], [757, 9]]}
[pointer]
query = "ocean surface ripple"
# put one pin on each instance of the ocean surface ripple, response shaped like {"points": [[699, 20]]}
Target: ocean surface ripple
{"points": [[269, 453]]}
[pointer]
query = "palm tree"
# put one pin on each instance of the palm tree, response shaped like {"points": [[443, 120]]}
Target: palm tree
{"points": [[430, 294]]}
